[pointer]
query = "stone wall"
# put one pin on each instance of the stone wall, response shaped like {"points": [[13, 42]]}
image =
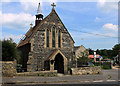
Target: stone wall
{"points": [[8, 68], [39, 73], [86, 70]]}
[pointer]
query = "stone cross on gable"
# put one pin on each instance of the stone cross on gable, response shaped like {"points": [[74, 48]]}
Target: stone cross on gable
{"points": [[53, 5]]}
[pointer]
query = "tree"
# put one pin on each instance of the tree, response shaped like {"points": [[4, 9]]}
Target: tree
{"points": [[9, 50], [97, 51], [83, 58], [91, 52], [109, 53], [115, 49]]}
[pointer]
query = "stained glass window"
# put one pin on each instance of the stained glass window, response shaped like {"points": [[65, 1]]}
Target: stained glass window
{"points": [[53, 37], [47, 39], [59, 41]]}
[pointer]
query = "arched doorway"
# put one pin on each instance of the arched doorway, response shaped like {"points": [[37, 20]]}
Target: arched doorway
{"points": [[59, 63]]}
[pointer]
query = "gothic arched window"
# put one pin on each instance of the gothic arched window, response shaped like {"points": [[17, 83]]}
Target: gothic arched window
{"points": [[59, 39], [53, 37], [47, 38]]}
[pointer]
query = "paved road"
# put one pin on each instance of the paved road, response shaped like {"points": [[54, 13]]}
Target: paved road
{"points": [[108, 76], [69, 84]]}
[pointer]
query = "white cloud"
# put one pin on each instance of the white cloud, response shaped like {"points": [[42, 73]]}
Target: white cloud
{"points": [[113, 34], [0, 17], [17, 21], [101, 3], [32, 1], [110, 27], [0, 13], [97, 19], [30, 6], [0, 24], [6, 0], [51, 1], [16, 38], [106, 6]]}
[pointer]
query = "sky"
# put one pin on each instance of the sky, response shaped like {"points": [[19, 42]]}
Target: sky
{"points": [[91, 24]]}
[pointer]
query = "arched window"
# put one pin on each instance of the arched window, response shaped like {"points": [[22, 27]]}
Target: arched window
{"points": [[47, 38], [53, 37], [59, 39]]}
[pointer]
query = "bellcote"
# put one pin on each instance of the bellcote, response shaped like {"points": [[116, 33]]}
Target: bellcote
{"points": [[39, 15]]}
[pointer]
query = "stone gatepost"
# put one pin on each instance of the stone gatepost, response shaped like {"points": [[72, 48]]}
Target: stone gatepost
{"points": [[65, 66], [51, 65]]}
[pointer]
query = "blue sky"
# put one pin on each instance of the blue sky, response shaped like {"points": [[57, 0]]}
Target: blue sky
{"points": [[92, 24]]}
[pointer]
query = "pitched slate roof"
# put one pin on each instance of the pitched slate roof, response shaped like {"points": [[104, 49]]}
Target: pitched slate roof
{"points": [[76, 47], [31, 31]]}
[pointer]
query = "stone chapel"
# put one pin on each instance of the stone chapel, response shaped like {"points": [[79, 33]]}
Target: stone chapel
{"points": [[48, 45]]}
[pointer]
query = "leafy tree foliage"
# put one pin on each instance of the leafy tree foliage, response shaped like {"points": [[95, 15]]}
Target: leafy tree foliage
{"points": [[91, 52], [9, 50], [83, 58], [109, 53], [116, 49], [97, 51], [103, 52]]}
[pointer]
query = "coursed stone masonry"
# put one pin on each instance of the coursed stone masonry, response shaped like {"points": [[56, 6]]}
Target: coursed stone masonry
{"points": [[86, 70], [39, 52], [8, 68]]}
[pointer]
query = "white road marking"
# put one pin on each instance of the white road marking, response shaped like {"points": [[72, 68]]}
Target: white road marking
{"points": [[98, 81], [111, 80]]}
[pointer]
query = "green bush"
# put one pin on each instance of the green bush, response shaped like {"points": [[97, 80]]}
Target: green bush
{"points": [[9, 50], [69, 68], [106, 66]]}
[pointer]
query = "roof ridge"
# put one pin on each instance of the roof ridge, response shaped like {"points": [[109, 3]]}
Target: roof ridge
{"points": [[36, 27]]}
